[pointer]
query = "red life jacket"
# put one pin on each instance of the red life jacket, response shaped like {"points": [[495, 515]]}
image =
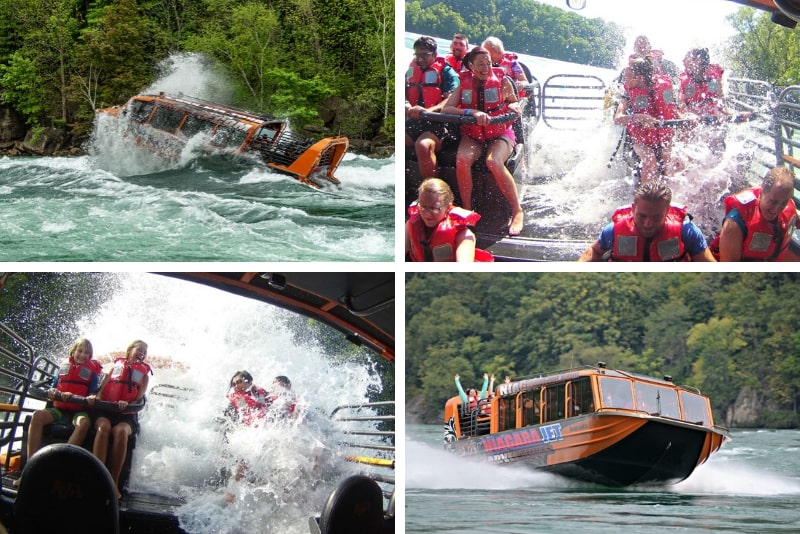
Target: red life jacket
{"points": [[281, 402], [660, 103], [667, 245], [457, 64], [473, 402], [493, 103], [427, 83], [703, 96], [125, 380], [506, 64], [251, 405], [763, 240], [76, 378], [442, 241]]}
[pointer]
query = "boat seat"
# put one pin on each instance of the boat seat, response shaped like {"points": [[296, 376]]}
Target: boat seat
{"points": [[354, 507], [65, 489]]}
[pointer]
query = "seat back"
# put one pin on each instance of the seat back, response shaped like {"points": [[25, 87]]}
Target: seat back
{"points": [[65, 489]]}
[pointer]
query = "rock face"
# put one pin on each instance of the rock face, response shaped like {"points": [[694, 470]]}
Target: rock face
{"points": [[44, 143], [12, 125]]}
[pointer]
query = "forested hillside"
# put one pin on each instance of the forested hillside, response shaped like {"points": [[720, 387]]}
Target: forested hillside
{"points": [[736, 336], [62, 59], [524, 26]]}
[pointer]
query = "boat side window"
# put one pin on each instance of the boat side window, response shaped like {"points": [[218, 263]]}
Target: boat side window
{"points": [[657, 400], [616, 393], [228, 137], [531, 407], [140, 110], [554, 402], [194, 126], [581, 400], [265, 134], [508, 412], [695, 408], [166, 119]]}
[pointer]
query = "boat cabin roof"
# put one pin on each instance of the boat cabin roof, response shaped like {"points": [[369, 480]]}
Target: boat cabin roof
{"points": [[209, 111]]}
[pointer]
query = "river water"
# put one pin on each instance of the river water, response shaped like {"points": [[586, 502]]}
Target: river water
{"points": [[120, 204], [198, 338], [751, 485]]}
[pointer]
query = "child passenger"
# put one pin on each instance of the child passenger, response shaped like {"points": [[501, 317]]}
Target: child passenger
{"points": [[78, 375]]}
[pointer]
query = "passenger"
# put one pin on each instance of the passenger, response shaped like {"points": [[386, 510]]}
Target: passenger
{"points": [[248, 402], [760, 222], [472, 397], [701, 95], [650, 230], [125, 384], [281, 400], [438, 231], [506, 61], [486, 93], [642, 49], [78, 375], [429, 82], [458, 49], [648, 100]]}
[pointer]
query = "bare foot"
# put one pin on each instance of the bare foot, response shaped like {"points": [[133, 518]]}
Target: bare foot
{"points": [[517, 223], [229, 497]]}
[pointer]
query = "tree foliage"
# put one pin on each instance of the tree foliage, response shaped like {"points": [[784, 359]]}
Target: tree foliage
{"points": [[524, 26], [720, 332], [60, 59]]}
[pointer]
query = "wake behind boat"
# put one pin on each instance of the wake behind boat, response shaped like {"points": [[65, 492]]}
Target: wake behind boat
{"points": [[165, 123], [593, 424]]}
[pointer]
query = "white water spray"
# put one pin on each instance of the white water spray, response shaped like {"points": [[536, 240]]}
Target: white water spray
{"points": [[198, 338]]}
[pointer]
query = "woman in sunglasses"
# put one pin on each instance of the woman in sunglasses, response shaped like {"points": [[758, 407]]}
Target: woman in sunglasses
{"points": [[248, 402]]}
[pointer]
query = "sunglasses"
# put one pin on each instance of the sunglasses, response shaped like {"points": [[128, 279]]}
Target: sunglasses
{"points": [[240, 381]]}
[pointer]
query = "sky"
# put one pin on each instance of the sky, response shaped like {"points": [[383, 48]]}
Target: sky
{"points": [[673, 26]]}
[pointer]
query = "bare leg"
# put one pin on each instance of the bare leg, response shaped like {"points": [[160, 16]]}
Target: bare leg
{"points": [[498, 152], [469, 150], [650, 170], [81, 430], [426, 147], [119, 449], [39, 420], [103, 428]]}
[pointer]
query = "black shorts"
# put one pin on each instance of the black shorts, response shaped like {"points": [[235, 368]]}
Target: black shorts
{"points": [[416, 127], [116, 418]]}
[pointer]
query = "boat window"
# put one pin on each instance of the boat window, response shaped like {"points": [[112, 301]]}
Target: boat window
{"points": [[194, 126], [616, 393], [581, 399], [657, 400], [530, 407], [554, 402], [228, 137], [508, 412], [695, 408], [140, 110], [166, 119]]}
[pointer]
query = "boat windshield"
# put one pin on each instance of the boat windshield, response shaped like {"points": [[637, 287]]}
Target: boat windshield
{"points": [[657, 400], [616, 393], [228, 137], [695, 408]]}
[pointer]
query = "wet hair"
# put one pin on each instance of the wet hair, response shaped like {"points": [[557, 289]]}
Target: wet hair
{"points": [[780, 176], [243, 374], [702, 55], [284, 381], [654, 191], [642, 66], [81, 342], [439, 187], [470, 57], [426, 43]]}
